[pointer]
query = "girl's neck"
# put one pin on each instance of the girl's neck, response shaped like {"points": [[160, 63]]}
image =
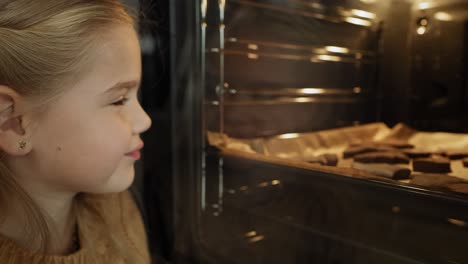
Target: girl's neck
{"points": [[60, 217]]}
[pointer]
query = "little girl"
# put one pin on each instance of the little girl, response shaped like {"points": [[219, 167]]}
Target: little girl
{"points": [[70, 125]]}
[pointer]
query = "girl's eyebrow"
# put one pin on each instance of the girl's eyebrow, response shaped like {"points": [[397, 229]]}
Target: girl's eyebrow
{"points": [[123, 85]]}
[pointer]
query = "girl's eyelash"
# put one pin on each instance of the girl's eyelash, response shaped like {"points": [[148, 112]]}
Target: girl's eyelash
{"points": [[122, 101]]}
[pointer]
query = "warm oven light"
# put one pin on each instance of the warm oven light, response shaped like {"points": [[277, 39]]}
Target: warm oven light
{"points": [[443, 16], [312, 91], [362, 13], [289, 136], [252, 46], [424, 5], [421, 30], [358, 21], [329, 58], [252, 56], [337, 49], [275, 182]]}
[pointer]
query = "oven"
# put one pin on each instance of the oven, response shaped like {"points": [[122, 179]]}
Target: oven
{"points": [[309, 131]]}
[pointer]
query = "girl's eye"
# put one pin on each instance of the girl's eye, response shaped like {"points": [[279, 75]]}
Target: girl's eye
{"points": [[121, 101]]}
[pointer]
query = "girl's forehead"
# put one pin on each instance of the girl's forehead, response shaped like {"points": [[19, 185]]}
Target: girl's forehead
{"points": [[118, 57], [115, 64], [117, 42]]}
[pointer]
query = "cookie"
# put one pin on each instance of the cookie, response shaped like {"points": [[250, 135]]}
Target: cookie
{"points": [[434, 164], [382, 157], [365, 148], [456, 155], [416, 153]]}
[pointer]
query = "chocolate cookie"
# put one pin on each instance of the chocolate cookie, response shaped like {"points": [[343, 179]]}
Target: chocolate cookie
{"points": [[456, 155], [382, 157], [435, 164], [465, 162], [416, 153], [365, 148]]}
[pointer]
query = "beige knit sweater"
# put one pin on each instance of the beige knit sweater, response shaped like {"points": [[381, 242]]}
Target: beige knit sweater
{"points": [[123, 212]]}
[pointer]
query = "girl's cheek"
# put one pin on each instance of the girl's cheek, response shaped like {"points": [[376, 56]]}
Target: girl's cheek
{"points": [[122, 126], [127, 116]]}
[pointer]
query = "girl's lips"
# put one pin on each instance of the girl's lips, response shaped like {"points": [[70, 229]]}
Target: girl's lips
{"points": [[135, 154]]}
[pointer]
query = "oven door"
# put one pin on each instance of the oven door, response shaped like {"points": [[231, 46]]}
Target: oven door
{"points": [[259, 89]]}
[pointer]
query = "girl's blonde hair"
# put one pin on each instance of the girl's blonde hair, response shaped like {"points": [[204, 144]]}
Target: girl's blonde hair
{"points": [[44, 46]]}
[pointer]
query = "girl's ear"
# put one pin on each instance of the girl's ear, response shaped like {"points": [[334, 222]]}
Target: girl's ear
{"points": [[12, 134]]}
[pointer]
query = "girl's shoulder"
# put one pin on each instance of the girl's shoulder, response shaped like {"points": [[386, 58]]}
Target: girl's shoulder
{"points": [[100, 217], [120, 209], [121, 214]]}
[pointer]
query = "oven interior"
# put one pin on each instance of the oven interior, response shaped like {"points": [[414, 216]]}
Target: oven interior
{"points": [[284, 82]]}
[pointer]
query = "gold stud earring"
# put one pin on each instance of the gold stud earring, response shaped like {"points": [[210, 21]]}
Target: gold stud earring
{"points": [[22, 144]]}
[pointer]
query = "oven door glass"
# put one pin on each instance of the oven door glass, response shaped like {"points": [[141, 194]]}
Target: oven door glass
{"points": [[333, 131]]}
